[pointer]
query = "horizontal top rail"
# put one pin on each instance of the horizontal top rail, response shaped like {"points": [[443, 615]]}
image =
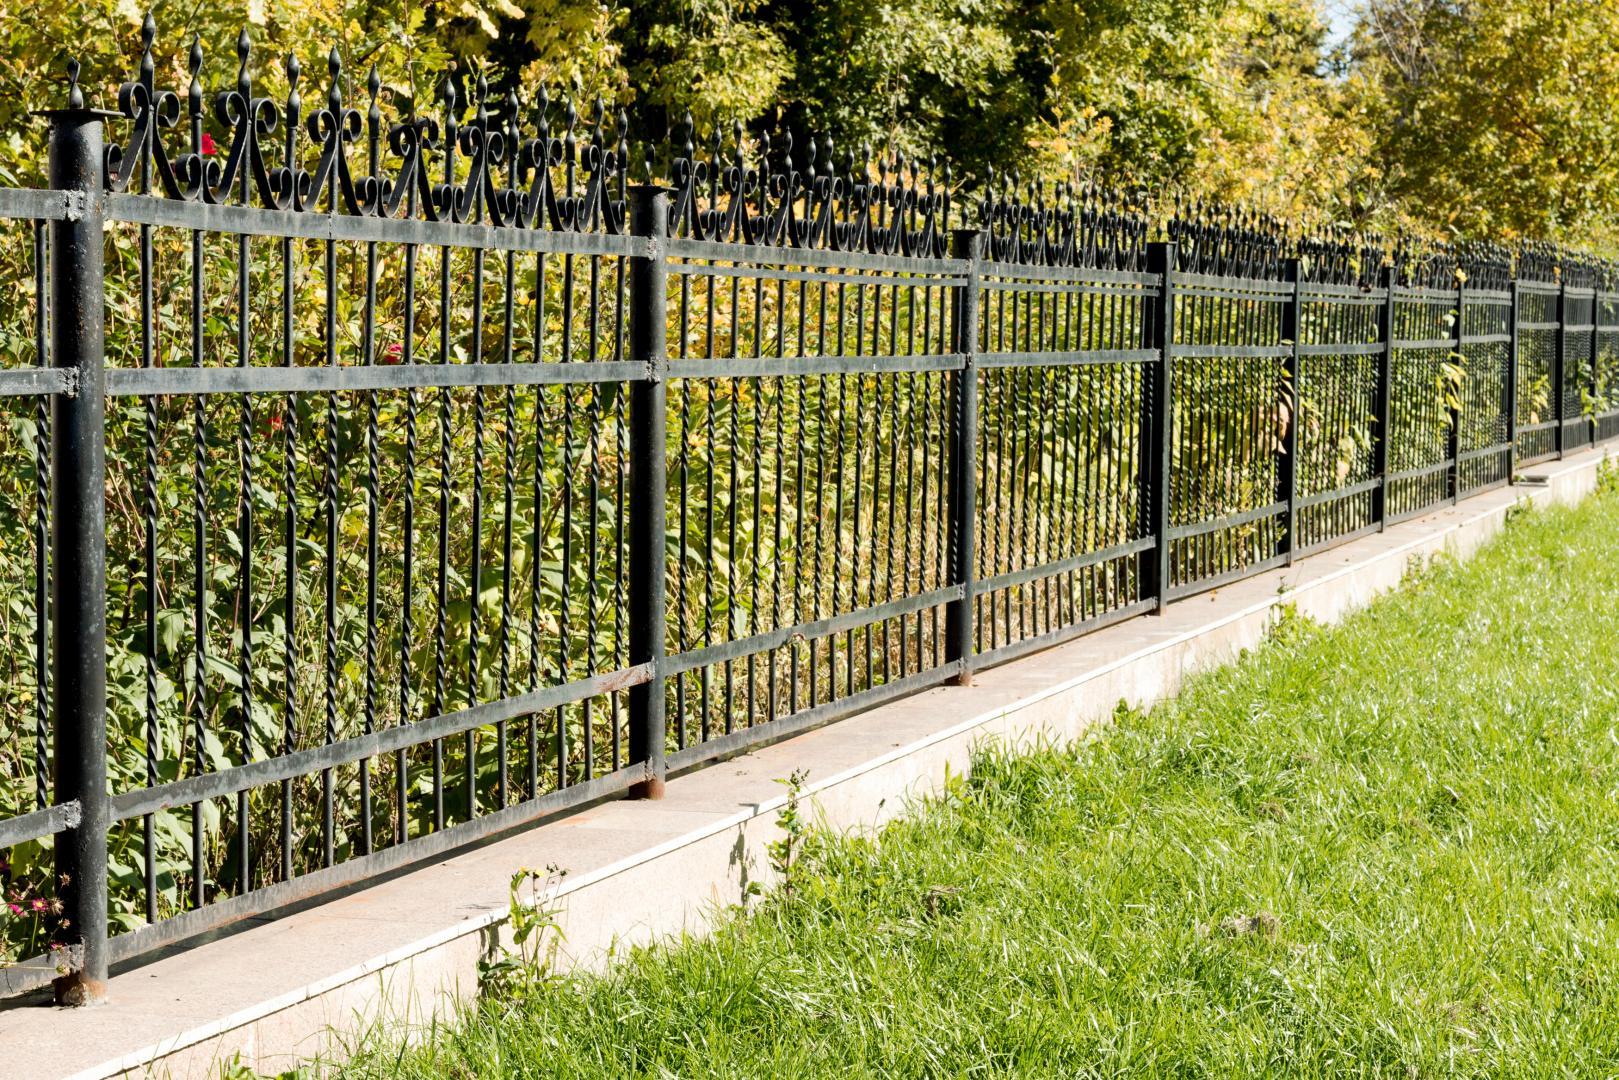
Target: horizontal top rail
{"points": [[257, 221], [1077, 274], [684, 247], [1186, 280], [1424, 294], [1317, 290]]}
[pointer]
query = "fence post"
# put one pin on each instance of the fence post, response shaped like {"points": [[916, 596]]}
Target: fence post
{"points": [[1558, 366], [1453, 441], [1511, 405], [965, 244], [1159, 332], [79, 547], [649, 221], [1287, 472]]}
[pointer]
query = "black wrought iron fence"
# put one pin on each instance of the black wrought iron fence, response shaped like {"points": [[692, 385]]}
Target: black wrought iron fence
{"points": [[375, 484]]}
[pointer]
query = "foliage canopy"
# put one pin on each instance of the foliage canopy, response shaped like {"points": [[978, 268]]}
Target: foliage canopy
{"points": [[1464, 117]]}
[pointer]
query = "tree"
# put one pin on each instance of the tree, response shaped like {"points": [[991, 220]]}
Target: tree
{"points": [[1494, 115]]}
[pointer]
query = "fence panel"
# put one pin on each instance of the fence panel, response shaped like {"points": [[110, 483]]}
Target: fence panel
{"points": [[1064, 339], [1485, 457], [1230, 403], [812, 362], [1605, 397], [1340, 340], [1538, 402], [1579, 360]]}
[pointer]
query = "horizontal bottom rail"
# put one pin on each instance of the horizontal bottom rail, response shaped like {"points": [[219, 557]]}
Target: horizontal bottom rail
{"points": [[1230, 521], [677, 663], [1346, 492], [728, 745], [1016, 650], [1330, 542], [282, 894], [1062, 566], [1203, 585]]}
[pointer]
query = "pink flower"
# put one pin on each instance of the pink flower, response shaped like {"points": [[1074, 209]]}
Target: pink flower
{"points": [[16, 909], [207, 144], [393, 354], [40, 904]]}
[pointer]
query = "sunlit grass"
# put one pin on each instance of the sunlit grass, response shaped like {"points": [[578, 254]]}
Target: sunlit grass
{"points": [[1389, 848]]}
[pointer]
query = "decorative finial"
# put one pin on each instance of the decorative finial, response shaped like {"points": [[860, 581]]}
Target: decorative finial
{"points": [[244, 49], [75, 96], [148, 70], [194, 91]]}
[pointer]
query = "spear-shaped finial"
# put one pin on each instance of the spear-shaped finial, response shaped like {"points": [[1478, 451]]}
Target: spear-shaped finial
{"points": [[244, 50], [148, 68], [334, 91], [194, 91], [75, 96]]}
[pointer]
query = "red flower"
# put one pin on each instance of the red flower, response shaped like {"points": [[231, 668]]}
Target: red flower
{"points": [[207, 144], [275, 421], [393, 354]]}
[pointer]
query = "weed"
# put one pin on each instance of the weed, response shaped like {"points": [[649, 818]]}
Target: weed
{"points": [[528, 964]]}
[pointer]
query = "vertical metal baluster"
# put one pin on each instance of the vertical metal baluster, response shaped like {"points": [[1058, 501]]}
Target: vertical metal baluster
{"points": [[537, 533], [1560, 369], [289, 425], [508, 508], [858, 533], [149, 510], [372, 475], [408, 529], [621, 472], [778, 564], [42, 553], [593, 488], [480, 128], [199, 497], [1453, 438], [245, 434], [1510, 405], [564, 625], [329, 332], [733, 495], [445, 425], [682, 595]]}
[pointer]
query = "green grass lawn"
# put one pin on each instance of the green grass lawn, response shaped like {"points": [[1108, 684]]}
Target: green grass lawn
{"points": [[1389, 848]]}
